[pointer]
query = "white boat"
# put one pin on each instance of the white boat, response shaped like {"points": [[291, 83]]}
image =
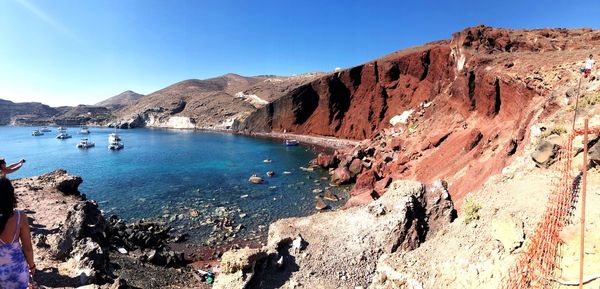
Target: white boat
{"points": [[115, 145], [37, 133], [61, 129], [84, 130], [63, 135], [85, 143], [45, 129], [113, 137], [291, 142]]}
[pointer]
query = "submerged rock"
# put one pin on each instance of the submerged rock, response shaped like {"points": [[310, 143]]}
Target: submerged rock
{"points": [[330, 196], [321, 205], [256, 179]]}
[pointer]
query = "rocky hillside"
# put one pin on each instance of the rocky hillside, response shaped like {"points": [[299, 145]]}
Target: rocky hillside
{"points": [[214, 103], [16, 113], [457, 110], [120, 100]]}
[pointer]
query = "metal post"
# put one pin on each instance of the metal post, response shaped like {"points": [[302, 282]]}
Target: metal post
{"points": [[583, 188]]}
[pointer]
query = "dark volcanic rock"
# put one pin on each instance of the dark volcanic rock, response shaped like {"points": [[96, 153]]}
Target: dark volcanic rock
{"points": [[63, 182], [84, 220]]}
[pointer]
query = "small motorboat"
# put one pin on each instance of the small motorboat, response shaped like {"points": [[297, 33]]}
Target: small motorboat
{"points": [[37, 133], [84, 130], [85, 143], [115, 145], [291, 142], [60, 128], [45, 129], [63, 135]]}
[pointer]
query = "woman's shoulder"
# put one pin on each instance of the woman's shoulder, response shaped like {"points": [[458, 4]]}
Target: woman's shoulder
{"points": [[19, 214]]}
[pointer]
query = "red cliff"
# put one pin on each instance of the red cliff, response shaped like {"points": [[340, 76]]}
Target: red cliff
{"points": [[473, 100]]}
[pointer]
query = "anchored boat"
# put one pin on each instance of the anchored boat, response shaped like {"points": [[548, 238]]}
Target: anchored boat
{"points": [[45, 129], [63, 135], [85, 143], [84, 130], [291, 142], [37, 133], [116, 145], [114, 141]]}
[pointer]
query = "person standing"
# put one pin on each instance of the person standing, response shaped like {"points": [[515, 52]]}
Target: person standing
{"points": [[16, 251], [589, 63], [5, 170]]}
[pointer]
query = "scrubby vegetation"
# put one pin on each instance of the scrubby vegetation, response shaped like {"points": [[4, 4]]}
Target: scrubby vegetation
{"points": [[471, 211]]}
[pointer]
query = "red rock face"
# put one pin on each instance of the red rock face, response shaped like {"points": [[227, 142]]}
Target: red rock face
{"points": [[472, 99]]}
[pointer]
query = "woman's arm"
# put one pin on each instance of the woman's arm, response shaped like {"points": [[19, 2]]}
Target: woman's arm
{"points": [[25, 236], [13, 168]]}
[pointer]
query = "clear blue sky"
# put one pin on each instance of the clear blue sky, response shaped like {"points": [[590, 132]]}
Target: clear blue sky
{"points": [[65, 52]]}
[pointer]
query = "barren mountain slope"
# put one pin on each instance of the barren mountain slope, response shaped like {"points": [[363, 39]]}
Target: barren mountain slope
{"points": [[210, 103], [120, 100]]}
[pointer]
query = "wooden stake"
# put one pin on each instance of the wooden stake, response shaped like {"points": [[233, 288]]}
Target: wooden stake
{"points": [[583, 189]]}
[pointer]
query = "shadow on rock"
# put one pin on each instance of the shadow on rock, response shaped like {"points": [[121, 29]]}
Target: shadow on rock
{"points": [[52, 278], [276, 270]]}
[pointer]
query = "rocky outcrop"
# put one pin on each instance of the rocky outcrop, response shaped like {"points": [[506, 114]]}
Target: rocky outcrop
{"points": [[346, 253], [84, 220], [238, 267], [81, 240], [61, 181]]}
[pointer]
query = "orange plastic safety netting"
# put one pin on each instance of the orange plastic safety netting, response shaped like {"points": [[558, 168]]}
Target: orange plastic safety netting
{"points": [[539, 264]]}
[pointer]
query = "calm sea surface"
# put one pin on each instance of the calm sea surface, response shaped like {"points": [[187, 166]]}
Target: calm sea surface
{"points": [[167, 174]]}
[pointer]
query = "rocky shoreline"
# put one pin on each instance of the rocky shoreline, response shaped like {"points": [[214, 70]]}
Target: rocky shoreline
{"points": [[76, 245]]}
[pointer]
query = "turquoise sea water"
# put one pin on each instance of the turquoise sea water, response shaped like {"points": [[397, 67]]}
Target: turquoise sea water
{"points": [[165, 173]]}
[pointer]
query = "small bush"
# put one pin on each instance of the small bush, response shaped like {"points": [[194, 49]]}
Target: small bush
{"points": [[412, 127], [557, 130], [585, 101], [471, 211]]}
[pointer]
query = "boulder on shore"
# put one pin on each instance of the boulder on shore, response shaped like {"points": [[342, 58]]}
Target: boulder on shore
{"points": [[326, 161], [340, 176]]}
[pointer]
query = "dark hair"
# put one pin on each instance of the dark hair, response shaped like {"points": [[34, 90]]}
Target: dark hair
{"points": [[2, 161], [8, 202], [591, 56]]}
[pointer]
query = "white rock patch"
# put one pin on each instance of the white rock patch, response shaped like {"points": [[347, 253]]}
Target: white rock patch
{"points": [[401, 118]]}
